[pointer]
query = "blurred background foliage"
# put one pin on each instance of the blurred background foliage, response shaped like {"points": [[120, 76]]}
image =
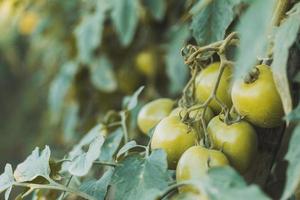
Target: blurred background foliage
{"points": [[65, 63]]}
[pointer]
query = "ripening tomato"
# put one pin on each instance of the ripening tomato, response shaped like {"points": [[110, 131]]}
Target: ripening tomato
{"points": [[153, 112], [205, 82], [258, 100], [237, 141], [195, 162], [174, 137]]}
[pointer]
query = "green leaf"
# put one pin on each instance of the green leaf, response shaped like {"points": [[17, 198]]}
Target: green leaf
{"points": [[98, 188], [285, 37], [36, 164], [91, 135], [157, 8], [131, 102], [294, 115], [7, 180], [102, 75], [59, 88], [253, 29], [226, 184], [177, 72], [209, 22], [125, 19], [293, 170], [126, 147], [70, 121], [139, 178], [111, 145], [82, 164], [89, 32], [78, 153]]}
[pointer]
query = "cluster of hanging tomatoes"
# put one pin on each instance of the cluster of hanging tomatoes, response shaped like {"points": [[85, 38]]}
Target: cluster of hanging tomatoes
{"points": [[231, 142]]}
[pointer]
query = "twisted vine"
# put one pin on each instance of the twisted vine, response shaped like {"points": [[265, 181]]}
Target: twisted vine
{"points": [[196, 57]]}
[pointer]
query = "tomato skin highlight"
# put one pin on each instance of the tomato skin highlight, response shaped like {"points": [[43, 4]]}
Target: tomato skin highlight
{"points": [[205, 82], [237, 141], [195, 162], [152, 112], [174, 137], [259, 100]]}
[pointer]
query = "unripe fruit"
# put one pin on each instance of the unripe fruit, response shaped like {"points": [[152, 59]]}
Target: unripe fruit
{"points": [[153, 112], [174, 137], [205, 83], [237, 141], [258, 100], [195, 162]]}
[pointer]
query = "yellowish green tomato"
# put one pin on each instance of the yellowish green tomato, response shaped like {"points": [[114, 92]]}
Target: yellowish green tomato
{"points": [[195, 162], [237, 141], [146, 63], [152, 112], [174, 137], [258, 100], [205, 82]]}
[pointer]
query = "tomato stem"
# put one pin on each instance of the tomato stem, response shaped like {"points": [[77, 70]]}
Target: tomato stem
{"points": [[192, 55]]}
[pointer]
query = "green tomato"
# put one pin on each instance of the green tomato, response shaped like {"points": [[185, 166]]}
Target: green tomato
{"points": [[258, 100], [238, 141], [205, 82], [174, 137], [195, 162], [153, 112]]}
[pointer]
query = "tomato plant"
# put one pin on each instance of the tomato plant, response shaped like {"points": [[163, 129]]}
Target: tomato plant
{"points": [[150, 99]]}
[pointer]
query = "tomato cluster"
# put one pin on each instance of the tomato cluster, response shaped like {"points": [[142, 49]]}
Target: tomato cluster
{"points": [[181, 131]]}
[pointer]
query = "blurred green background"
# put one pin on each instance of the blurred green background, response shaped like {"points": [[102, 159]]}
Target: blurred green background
{"points": [[64, 64]]}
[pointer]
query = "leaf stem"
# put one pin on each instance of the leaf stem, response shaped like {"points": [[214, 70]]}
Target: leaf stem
{"points": [[124, 125], [279, 11], [64, 193], [55, 186], [105, 163]]}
